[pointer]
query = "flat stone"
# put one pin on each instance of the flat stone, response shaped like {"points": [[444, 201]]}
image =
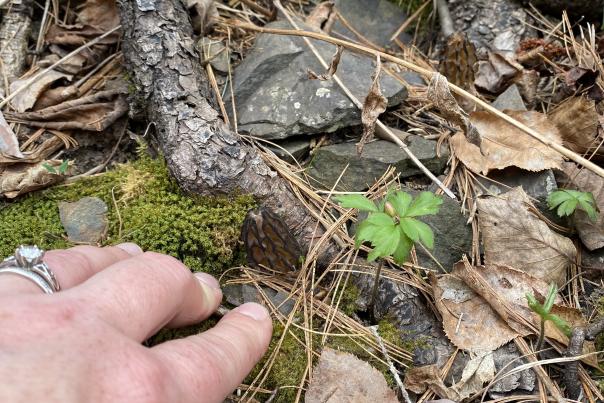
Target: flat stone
{"points": [[289, 149], [329, 162], [85, 220], [238, 294], [377, 26], [510, 99], [275, 98]]}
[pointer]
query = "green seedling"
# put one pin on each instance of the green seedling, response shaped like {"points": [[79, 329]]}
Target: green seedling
{"points": [[392, 226], [544, 313], [567, 201], [61, 170]]}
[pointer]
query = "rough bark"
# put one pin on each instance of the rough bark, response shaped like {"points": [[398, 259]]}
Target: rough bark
{"points": [[14, 33], [172, 91]]}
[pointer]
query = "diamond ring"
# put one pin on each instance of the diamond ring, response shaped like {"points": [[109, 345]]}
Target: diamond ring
{"points": [[27, 262]]}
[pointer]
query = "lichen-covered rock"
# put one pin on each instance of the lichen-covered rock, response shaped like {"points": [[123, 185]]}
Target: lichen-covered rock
{"points": [[329, 162], [275, 98]]}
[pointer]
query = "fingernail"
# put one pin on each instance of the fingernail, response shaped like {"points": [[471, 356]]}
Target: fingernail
{"points": [[131, 248], [253, 310], [208, 280]]}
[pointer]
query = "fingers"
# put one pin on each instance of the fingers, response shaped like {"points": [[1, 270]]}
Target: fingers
{"points": [[71, 266], [141, 295], [210, 365]]}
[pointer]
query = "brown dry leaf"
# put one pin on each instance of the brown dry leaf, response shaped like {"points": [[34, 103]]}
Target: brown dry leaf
{"points": [[319, 16], [374, 105], [341, 377], [440, 95], [493, 75], [54, 96], [27, 98], [514, 236], [23, 178], [577, 121], [503, 145], [466, 314], [331, 70], [420, 379], [94, 112], [204, 15], [101, 14], [9, 145], [590, 232]]}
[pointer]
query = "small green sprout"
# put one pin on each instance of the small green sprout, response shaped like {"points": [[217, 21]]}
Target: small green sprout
{"points": [[392, 227], [567, 201], [544, 313], [62, 170]]}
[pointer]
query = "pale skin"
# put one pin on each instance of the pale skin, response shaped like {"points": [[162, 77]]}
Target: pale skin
{"points": [[83, 344]]}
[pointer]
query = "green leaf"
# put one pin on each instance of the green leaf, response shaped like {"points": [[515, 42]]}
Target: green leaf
{"points": [[535, 305], [365, 232], [49, 168], [567, 207], [401, 202], [556, 198], [356, 201], [385, 242], [409, 227], [425, 204], [560, 324], [566, 200], [589, 209], [380, 219], [425, 234], [63, 167], [550, 298], [403, 248]]}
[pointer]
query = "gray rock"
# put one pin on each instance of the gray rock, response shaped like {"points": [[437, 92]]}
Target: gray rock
{"points": [[452, 237], [377, 26], [510, 99], [537, 185], [215, 51], [297, 148], [329, 162], [403, 305], [85, 221], [238, 294], [275, 99]]}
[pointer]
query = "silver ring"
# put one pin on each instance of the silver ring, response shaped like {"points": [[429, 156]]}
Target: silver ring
{"points": [[27, 262]]}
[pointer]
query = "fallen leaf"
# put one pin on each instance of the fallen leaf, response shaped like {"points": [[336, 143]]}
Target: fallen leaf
{"points": [[94, 112], [27, 98], [493, 75], [331, 70], [19, 179], [514, 236], [439, 94], [590, 232], [466, 314], [101, 14], [320, 15], [9, 145], [503, 145], [577, 121], [420, 379], [374, 105], [341, 377]]}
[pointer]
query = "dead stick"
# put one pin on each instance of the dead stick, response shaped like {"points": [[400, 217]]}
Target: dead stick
{"points": [[428, 73], [381, 128], [409, 20]]}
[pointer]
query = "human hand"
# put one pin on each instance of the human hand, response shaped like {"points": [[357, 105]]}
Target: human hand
{"points": [[83, 344]]}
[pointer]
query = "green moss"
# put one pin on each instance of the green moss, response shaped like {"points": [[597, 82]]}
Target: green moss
{"points": [[288, 367], [348, 302], [146, 207]]}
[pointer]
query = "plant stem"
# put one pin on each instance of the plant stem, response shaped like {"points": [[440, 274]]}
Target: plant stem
{"points": [[375, 290], [541, 336]]}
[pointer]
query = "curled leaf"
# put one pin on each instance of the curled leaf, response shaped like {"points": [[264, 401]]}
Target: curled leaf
{"points": [[331, 70], [374, 105]]}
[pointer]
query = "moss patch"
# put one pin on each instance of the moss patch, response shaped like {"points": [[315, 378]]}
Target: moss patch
{"points": [[145, 206]]}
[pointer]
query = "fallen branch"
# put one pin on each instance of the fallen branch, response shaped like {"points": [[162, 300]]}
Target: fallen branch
{"points": [[428, 74]]}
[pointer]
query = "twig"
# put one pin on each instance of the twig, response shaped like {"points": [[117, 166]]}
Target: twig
{"points": [[381, 128], [428, 73], [391, 367], [571, 374], [57, 63], [259, 9]]}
